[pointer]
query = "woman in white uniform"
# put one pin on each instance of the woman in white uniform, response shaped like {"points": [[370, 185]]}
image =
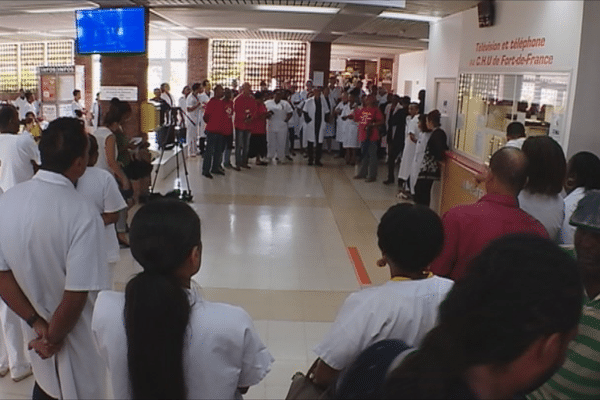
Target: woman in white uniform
{"points": [[161, 339], [351, 135], [410, 141], [546, 172], [340, 124], [280, 112]]}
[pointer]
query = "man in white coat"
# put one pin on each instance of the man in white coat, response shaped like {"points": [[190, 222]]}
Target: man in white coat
{"points": [[51, 261], [194, 110], [410, 142], [280, 112], [19, 159], [315, 113]]}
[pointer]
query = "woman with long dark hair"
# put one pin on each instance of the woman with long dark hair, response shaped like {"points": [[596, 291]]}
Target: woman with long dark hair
{"points": [[546, 172], [161, 339]]}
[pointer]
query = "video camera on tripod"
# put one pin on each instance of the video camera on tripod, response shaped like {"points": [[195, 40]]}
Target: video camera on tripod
{"points": [[171, 135]]}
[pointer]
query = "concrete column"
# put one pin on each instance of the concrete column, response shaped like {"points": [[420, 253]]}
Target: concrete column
{"points": [[320, 59], [87, 96], [197, 60]]}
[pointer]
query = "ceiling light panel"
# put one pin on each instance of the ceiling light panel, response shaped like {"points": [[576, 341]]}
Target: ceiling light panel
{"points": [[297, 9], [408, 17]]}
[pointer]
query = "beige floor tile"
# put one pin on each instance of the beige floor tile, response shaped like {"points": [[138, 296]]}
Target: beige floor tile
{"points": [[276, 392]]}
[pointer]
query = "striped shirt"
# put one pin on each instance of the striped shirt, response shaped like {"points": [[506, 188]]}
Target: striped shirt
{"points": [[579, 377]]}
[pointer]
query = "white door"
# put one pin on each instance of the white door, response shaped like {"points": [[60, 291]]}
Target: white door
{"points": [[445, 103]]}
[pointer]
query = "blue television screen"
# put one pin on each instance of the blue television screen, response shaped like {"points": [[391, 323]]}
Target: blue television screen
{"points": [[111, 30]]}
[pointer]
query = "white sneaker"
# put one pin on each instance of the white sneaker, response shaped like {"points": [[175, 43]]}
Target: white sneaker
{"points": [[20, 373], [3, 370]]}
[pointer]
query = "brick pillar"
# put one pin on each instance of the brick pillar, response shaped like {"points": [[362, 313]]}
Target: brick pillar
{"points": [[127, 70], [320, 59], [197, 60], [87, 96]]}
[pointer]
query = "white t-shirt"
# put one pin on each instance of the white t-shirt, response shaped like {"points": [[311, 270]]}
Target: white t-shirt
{"points": [[100, 188], [20, 102], [52, 247], [516, 143], [404, 310], [549, 210], [280, 111], [567, 231], [222, 352], [25, 108], [16, 154], [76, 106], [101, 134]]}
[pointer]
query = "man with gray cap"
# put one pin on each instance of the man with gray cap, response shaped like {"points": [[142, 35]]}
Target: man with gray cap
{"points": [[579, 377]]}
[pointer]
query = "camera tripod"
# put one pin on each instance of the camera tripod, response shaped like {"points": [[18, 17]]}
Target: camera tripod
{"points": [[184, 195]]}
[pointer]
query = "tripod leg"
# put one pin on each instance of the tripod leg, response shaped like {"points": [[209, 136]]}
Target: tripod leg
{"points": [[162, 152], [185, 170]]}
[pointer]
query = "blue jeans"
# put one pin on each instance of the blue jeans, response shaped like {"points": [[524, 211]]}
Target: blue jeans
{"points": [[368, 160], [242, 144], [213, 153]]}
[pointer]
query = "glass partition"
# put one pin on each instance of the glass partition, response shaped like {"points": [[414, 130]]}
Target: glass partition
{"points": [[487, 103]]}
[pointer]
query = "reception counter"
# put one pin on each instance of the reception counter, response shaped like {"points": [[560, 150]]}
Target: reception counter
{"points": [[458, 181]]}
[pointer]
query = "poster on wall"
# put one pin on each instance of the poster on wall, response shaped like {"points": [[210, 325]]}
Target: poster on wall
{"points": [[65, 110], [66, 85], [48, 88], [49, 112]]}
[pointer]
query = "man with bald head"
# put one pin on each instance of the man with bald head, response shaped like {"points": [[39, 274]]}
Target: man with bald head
{"points": [[469, 228]]}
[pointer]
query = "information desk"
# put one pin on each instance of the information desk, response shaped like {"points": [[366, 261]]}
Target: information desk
{"points": [[458, 181]]}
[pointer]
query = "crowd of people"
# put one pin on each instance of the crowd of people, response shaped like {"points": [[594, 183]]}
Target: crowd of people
{"points": [[482, 303], [270, 125]]}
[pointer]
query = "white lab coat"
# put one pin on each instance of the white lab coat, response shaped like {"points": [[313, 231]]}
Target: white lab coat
{"points": [[351, 136], [222, 349], [420, 148], [100, 189], [340, 126], [16, 154], [309, 128], [96, 115], [404, 310], [76, 106], [567, 231], [45, 265], [192, 123], [408, 154]]}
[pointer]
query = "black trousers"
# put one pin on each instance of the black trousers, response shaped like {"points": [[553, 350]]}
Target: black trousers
{"points": [[423, 191], [39, 394], [394, 149], [316, 157]]}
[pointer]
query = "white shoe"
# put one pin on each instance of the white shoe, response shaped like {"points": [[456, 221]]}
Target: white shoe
{"points": [[3, 370], [20, 373]]}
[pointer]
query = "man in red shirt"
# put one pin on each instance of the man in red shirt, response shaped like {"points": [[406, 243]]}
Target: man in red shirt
{"points": [[368, 118], [469, 228], [218, 123], [244, 107]]}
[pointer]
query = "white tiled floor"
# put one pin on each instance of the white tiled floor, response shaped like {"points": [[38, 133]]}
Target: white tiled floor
{"points": [[274, 233]]}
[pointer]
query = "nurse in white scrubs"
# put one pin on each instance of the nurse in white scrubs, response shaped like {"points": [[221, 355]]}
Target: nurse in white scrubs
{"points": [[420, 148], [161, 339], [410, 141], [280, 112]]}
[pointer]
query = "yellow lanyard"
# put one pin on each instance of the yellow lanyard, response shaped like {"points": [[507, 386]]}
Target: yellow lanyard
{"points": [[404, 278]]}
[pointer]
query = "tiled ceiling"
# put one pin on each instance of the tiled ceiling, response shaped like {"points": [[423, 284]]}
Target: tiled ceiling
{"points": [[356, 24]]}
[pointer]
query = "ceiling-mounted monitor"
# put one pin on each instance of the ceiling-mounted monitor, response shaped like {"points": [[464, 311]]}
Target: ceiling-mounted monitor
{"points": [[487, 11], [111, 31]]}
